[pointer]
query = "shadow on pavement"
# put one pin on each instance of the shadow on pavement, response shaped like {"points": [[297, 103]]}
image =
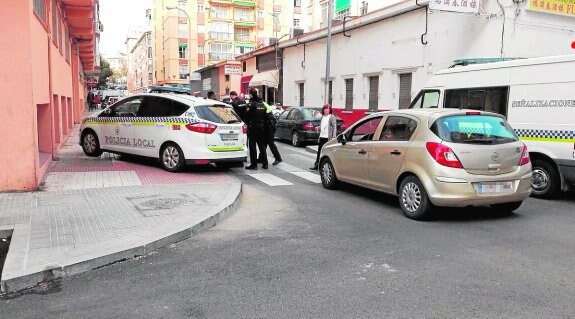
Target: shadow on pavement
{"points": [[152, 162], [440, 214]]}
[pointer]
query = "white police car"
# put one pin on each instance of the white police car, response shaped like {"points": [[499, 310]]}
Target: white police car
{"points": [[176, 129]]}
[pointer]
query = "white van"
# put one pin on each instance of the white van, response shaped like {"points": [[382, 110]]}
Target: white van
{"points": [[537, 96]]}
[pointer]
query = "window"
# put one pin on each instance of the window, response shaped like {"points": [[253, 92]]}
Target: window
{"points": [[365, 130], [241, 50], [373, 92], [243, 14], [221, 31], [474, 129], [301, 94], [182, 6], [291, 115], [260, 14], [243, 34], [40, 10], [183, 52], [183, 71], [296, 22], [404, 90], [218, 12], [341, 14], [158, 106], [398, 128], [182, 30], [149, 52], [54, 27], [297, 3], [59, 35], [217, 114], [244, 66], [67, 44], [493, 99], [324, 9], [125, 108], [201, 8], [426, 99], [200, 49], [348, 94], [227, 77], [221, 51], [363, 9]]}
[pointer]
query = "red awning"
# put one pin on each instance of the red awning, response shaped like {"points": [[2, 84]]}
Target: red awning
{"points": [[246, 79]]}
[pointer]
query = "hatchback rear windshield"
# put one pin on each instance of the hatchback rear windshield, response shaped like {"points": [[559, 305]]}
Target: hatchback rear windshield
{"points": [[474, 129], [217, 114]]}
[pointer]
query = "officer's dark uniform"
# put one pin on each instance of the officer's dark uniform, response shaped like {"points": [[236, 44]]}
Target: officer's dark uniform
{"points": [[256, 119]]}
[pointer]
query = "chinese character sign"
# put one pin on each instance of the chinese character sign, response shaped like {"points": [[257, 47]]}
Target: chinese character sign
{"points": [[464, 6], [232, 69], [562, 7]]}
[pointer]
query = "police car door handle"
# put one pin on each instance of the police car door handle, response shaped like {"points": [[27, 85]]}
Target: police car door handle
{"points": [[127, 123], [160, 124], [395, 152]]}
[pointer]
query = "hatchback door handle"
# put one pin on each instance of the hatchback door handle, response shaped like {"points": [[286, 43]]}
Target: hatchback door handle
{"points": [[395, 152], [362, 151]]}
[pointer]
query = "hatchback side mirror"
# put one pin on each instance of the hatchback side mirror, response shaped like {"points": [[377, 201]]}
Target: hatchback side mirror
{"points": [[342, 139]]}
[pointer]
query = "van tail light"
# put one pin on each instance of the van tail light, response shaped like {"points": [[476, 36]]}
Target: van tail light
{"points": [[309, 126], [201, 127], [524, 157], [245, 129], [443, 155]]}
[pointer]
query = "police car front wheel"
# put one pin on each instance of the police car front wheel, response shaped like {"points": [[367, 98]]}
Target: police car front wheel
{"points": [[172, 158], [90, 144]]}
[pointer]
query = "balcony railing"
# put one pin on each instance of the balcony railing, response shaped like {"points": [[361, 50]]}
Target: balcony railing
{"points": [[244, 38], [224, 36], [244, 18], [220, 56]]}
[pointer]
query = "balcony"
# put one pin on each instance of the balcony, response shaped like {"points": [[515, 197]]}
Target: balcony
{"points": [[222, 36], [218, 56], [244, 38]]}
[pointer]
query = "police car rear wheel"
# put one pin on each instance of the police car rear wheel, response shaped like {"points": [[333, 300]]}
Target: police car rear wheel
{"points": [[90, 144], [172, 158]]}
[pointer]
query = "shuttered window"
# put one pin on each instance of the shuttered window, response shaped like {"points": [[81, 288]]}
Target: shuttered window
{"points": [[301, 94], [348, 94], [40, 10], [330, 93], [404, 90], [373, 92]]}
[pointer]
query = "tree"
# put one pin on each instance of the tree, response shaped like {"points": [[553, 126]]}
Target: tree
{"points": [[105, 72]]}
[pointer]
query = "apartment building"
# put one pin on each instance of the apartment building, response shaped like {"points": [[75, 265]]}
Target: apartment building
{"points": [[45, 69], [140, 62], [219, 30], [317, 10]]}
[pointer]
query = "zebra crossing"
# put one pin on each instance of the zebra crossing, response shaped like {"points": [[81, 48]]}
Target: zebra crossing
{"points": [[273, 175]]}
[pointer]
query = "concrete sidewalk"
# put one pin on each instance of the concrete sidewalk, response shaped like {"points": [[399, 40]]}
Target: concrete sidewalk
{"points": [[94, 211]]}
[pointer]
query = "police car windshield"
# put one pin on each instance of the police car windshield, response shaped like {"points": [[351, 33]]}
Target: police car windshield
{"points": [[217, 114]]}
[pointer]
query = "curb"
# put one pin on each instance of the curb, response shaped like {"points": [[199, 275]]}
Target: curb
{"points": [[225, 209]]}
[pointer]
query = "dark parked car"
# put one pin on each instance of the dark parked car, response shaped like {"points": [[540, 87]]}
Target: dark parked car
{"points": [[301, 125]]}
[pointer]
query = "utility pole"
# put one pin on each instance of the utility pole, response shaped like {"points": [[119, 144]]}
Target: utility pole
{"points": [[328, 55]]}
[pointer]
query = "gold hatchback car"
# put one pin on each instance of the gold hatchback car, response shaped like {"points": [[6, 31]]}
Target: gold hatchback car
{"points": [[432, 157]]}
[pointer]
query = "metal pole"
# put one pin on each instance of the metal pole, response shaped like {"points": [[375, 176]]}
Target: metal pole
{"points": [[328, 55]]}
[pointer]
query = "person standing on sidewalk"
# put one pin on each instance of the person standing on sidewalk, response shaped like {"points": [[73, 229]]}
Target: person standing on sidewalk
{"points": [[90, 100], [255, 115], [328, 131]]}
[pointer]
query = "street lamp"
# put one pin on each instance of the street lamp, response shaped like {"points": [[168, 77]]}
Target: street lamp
{"points": [[189, 50]]}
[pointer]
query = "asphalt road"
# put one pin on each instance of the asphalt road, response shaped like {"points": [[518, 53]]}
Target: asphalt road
{"points": [[300, 251]]}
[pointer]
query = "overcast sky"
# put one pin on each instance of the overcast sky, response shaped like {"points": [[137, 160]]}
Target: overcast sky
{"points": [[118, 17]]}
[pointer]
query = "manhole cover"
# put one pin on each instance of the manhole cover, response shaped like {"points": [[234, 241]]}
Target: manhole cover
{"points": [[164, 203]]}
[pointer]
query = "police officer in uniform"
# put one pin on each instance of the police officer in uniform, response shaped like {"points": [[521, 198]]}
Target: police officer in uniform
{"points": [[256, 119]]}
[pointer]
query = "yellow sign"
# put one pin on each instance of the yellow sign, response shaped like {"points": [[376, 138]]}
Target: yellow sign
{"points": [[562, 7]]}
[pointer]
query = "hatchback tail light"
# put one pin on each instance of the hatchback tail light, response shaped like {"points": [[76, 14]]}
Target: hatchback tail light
{"points": [[524, 157], [308, 126], [201, 127], [244, 129], [443, 155]]}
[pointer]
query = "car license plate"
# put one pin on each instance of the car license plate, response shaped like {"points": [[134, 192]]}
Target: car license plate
{"points": [[229, 137], [497, 187]]}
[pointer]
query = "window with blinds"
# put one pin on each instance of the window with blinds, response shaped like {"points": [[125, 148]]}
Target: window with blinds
{"points": [[348, 94], [373, 92], [404, 90], [301, 94]]}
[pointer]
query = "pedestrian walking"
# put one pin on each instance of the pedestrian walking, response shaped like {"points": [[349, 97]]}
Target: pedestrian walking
{"points": [[256, 118], [96, 101], [90, 100], [269, 132], [328, 131]]}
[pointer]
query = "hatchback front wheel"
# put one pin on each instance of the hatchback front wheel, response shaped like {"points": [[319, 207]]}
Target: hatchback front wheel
{"points": [[413, 199]]}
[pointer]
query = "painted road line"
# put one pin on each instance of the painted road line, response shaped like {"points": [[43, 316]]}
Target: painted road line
{"points": [[314, 178], [270, 179]]}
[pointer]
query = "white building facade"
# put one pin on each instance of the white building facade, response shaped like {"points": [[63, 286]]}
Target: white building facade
{"points": [[384, 58]]}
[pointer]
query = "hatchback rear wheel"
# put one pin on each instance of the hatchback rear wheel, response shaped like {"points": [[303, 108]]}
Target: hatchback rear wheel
{"points": [[172, 158], [413, 199]]}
